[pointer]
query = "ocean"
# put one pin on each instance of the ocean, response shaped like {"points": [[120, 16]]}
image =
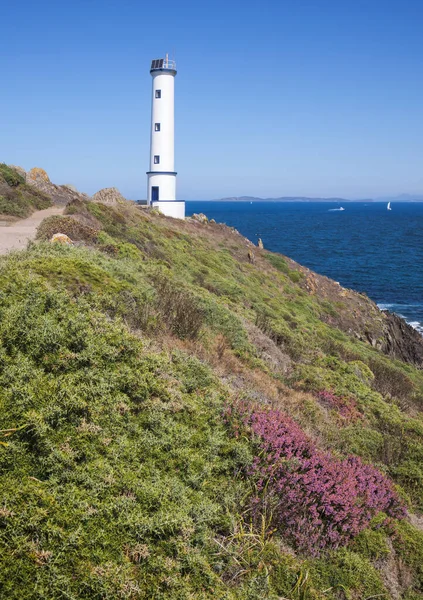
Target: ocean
{"points": [[365, 247]]}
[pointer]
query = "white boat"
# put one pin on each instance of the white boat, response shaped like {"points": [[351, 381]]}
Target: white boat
{"points": [[341, 208], [389, 206]]}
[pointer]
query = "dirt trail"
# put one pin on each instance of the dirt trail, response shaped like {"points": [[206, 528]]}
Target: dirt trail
{"points": [[17, 235]]}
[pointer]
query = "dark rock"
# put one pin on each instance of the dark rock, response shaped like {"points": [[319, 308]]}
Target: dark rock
{"points": [[402, 341]]}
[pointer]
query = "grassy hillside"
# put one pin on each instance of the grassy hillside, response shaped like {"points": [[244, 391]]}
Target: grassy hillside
{"points": [[17, 199], [177, 422]]}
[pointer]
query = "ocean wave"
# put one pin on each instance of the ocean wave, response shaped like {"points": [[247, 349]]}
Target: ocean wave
{"points": [[385, 306], [417, 325]]}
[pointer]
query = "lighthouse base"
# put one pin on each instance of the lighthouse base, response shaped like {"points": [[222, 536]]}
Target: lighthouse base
{"points": [[172, 208]]}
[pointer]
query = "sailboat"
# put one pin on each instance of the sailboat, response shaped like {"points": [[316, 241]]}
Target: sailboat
{"points": [[389, 206]]}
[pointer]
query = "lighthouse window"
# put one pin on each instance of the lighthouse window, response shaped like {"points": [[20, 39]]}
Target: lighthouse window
{"points": [[158, 93], [156, 159], [156, 126]]}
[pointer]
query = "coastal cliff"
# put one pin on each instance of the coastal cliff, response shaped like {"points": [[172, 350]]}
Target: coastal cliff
{"points": [[185, 415]]}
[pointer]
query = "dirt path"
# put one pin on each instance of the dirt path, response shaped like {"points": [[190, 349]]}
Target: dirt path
{"points": [[17, 235]]}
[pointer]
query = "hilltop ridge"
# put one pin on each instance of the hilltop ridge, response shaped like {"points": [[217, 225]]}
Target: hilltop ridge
{"points": [[185, 415]]}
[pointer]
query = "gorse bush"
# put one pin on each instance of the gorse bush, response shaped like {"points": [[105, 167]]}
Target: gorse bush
{"points": [[16, 197], [121, 476], [318, 501], [281, 265], [115, 464], [21, 203], [10, 176], [71, 227], [278, 262], [389, 379], [179, 308]]}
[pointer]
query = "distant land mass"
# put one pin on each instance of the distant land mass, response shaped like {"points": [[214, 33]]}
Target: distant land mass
{"points": [[399, 198], [282, 199]]}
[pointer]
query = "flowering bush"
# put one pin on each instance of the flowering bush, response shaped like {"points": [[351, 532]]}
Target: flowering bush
{"points": [[346, 407], [313, 498]]}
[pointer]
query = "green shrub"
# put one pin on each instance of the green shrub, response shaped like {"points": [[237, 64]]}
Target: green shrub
{"points": [[10, 176], [390, 380], [278, 262], [11, 208], [114, 456], [179, 308], [21, 202], [69, 226], [348, 574], [372, 542], [281, 265], [408, 543], [121, 475], [17, 198], [295, 276]]}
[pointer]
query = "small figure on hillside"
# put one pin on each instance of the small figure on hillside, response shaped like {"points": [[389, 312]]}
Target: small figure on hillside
{"points": [[251, 256], [260, 244]]}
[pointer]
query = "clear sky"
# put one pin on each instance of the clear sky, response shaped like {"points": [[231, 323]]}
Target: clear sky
{"points": [[273, 98]]}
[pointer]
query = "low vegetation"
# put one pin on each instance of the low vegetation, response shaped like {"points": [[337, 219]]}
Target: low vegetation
{"points": [[17, 199], [314, 499], [177, 422]]}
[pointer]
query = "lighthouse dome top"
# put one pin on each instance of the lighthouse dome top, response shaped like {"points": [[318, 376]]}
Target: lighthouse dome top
{"points": [[163, 64]]}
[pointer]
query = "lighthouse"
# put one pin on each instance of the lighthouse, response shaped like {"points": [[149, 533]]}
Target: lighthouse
{"points": [[161, 177]]}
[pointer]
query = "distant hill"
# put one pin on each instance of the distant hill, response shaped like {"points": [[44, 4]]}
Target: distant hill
{"points": [[286, 199], [401, 198], [398, 198]]}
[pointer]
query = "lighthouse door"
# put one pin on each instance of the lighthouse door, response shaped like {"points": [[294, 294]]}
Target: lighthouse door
{"points": [[155, 193]]}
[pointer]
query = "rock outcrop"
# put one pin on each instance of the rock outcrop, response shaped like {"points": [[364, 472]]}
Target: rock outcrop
{"points": [[61, 238], [358, 316], [38, 175], [110, 196], [200, 218], [402, 341], [59, 194]]}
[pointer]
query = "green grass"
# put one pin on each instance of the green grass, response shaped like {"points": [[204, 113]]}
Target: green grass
{"points": [[17, 199], [130, 457], [119, 475], [10, 176]]}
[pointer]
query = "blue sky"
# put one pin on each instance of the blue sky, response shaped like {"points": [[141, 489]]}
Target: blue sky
{"points": [[318, 98]]}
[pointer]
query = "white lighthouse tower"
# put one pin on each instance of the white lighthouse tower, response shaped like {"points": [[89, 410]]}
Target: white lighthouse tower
{"points": [[161, 178]]}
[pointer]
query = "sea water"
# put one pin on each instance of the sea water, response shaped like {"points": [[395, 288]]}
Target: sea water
{"points": [[365, 247]]}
